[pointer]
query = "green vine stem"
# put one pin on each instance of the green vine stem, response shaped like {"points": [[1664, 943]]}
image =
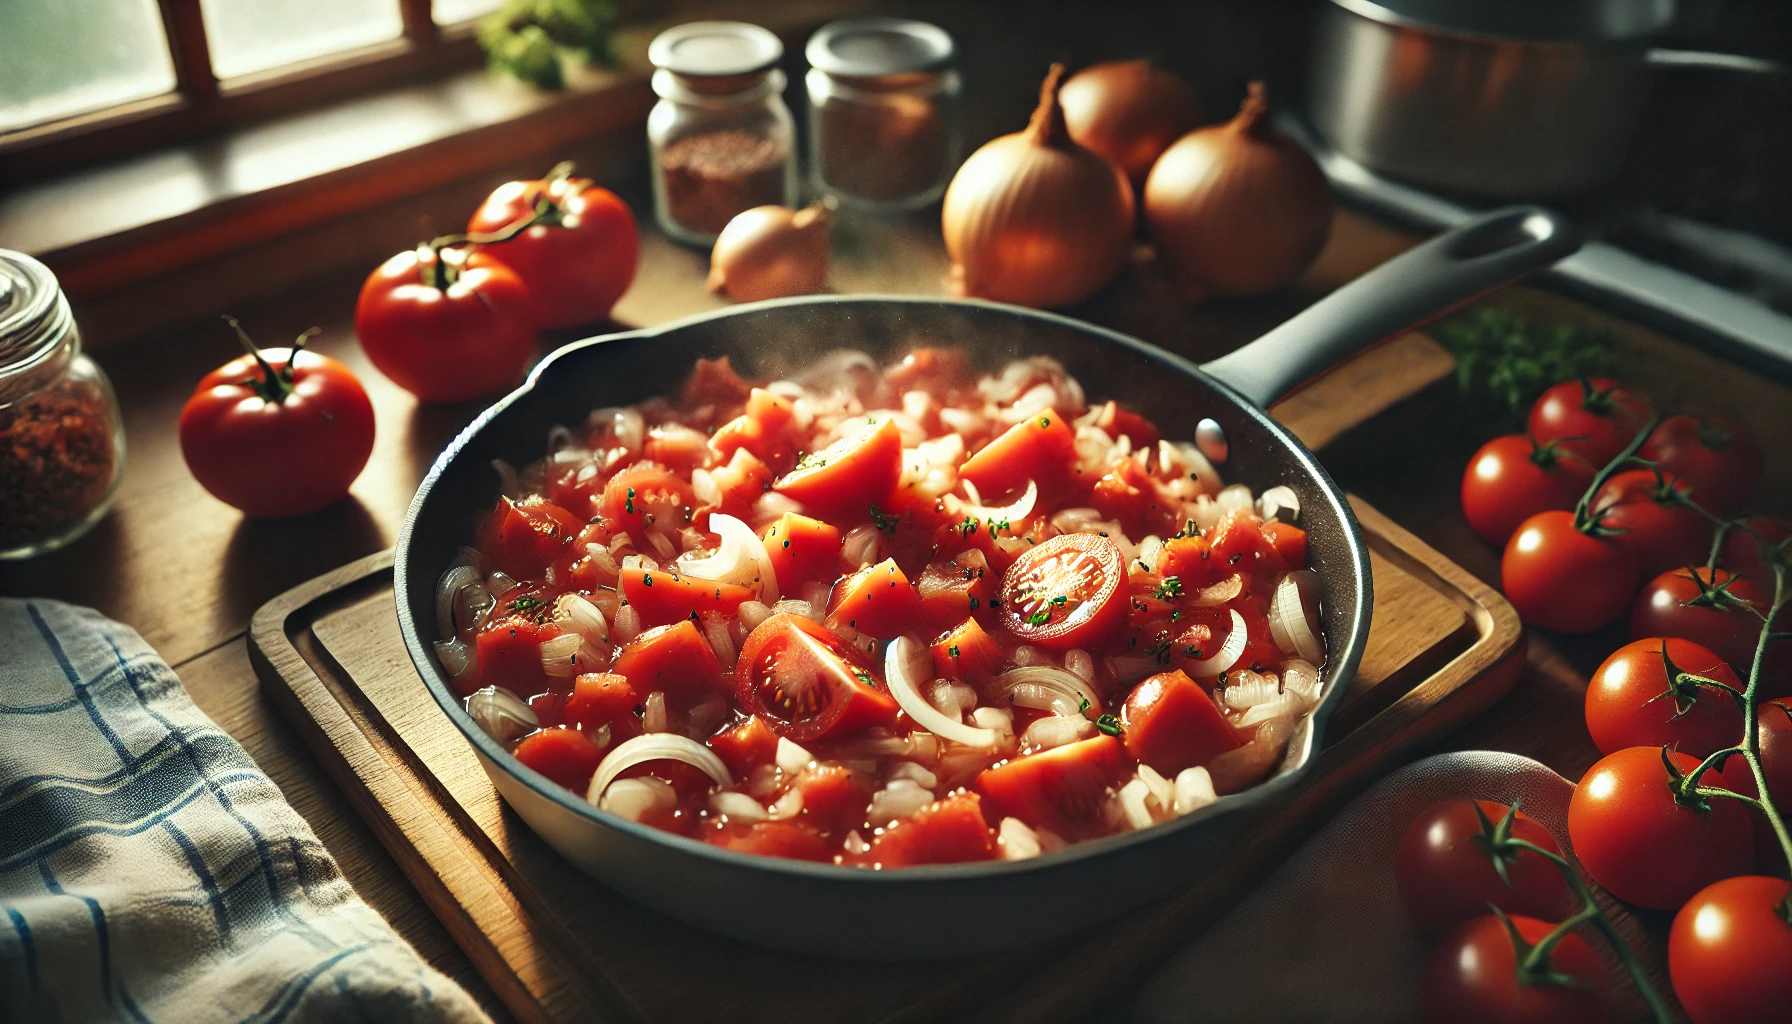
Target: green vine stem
{"points": [[545, 210], [1584, 521]]}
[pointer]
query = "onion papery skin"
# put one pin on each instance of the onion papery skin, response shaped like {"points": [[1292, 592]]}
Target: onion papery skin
{"points": [[770, 252], [1035, 219], [1129, 112], [1237, 209]]}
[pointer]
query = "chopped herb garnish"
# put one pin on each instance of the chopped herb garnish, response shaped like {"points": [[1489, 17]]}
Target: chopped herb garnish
{"points": [[1083, 707], [952, 650], [1045, 421], [1039, 618], [974, 604], [1109, 726], [1169, 588], [864, 677], [884, 522], [1160, 649], [647, 579], [1235, 557]]}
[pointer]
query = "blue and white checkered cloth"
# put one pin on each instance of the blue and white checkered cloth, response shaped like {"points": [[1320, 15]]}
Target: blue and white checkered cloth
{"points": [[149, 871]]}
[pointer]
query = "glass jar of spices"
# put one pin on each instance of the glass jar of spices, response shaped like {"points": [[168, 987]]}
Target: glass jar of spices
{"points": [[883, 112], [61, 433], [721, 139]]}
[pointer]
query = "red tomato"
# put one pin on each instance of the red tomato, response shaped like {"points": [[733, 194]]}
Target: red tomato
{"points": [[563, 755], [509, 647], [947, 831], [1290, 542], [1773, 731], [1642, 845], [852, 474], [1240, 545], [1171, 723], [952, 589], [806, 683], [599, 698], [1062, 789], [662, 596], [966, 652], [1563, 579], [741, 481], [877, 599], [1121, 422], [1128, 495], [1630, 702], [1471, 977], [1658, 533], [577, 258], [1445, 872], [1716, 456], [675, 660], [802, 549], [446, 326], [745, 746], [1594, 418], [1680, 603], [771, 839], [1041, 448], [834, 797], [1745, 554], [279, 432], [522, 539], [1066, 592], [1512, 479], [644, 494], [760, 430], [1730, 953]]}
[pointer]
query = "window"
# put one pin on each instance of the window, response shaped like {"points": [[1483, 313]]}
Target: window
{"points": [[83, 81]]}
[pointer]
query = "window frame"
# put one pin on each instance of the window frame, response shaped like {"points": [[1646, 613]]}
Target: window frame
{"points": [[201, 104]]}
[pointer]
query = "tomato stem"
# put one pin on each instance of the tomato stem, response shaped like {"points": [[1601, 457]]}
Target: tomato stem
{"points": [[544, 210], [274, 385], [1589, 524]]}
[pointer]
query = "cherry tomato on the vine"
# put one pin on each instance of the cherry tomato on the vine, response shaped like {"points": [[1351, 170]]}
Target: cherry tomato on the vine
{"points": [[446, 325], [277, 432], [1691, 604], [1646, 518], [580, 254], [1773, 731], [1511, 479], [1630, 702], [1472, 977], [1730, 953], [1444, 867], [1716, 456], [1642, 844], [1750, 550], [1593, 418], [1562, 578]]}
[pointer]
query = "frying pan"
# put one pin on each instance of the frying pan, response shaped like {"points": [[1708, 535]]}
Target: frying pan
{"points": [[955, 909]]}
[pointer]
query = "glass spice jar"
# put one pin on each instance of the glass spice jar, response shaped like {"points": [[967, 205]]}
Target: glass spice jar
{"points": [[883, 112], [61, 433], [721, 139]]}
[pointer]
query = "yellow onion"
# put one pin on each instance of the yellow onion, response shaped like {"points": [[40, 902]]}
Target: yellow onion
{"points": [[1035, 219], [1237, 208], [769, 252], [1129, 112]]}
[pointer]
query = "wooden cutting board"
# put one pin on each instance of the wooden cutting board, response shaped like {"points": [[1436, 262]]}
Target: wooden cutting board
{"points": [[558, 947]]}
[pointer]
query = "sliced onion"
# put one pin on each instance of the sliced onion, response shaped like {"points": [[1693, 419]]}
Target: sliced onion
{"points": [[1250, 689], [1046, 688], [1227, 655], [752, 613], [1016, 840], [703, 485], [447, 588], [499, 583], [995, 515], [1299, 676], [508, 484], [1078, 663], [457, 656], [633, 798], [860, 545], [715, 630], [1244, 766], [1194, 790], [1218, 594], [741, 536], [560, 655], [1200, 469], [791, 756], [575, 611], [832, 369], [899, 674], [656, 746], [654, 716], [1294, 615], [1132, 801], [1163, 792], [773, 504], [1278, 502], [1233, 499], [628, 625], [501, 714], [1055, 731], [901, 798], [737, 806], [912, 771]]}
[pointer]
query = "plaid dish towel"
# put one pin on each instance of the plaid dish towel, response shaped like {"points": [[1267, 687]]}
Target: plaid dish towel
{"points": [[149, 871]]}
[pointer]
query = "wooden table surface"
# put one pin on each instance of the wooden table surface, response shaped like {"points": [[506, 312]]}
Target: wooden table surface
{"points": [[187, 571]]}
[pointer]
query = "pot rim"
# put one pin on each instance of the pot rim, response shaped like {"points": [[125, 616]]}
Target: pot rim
{"points": [[1636, 34]]}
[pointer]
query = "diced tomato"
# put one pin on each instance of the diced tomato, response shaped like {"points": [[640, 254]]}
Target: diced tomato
{"points": [[549, 707], [834, 797], [852, 474], [1121, 422], [1290, 542], [770, 839], [966, 652], [1240, 545], [931, 369], [1062, 789], [1191, 561], [946, 831], [677, 447], [675, 660], [712, 382], [509, 651], [660, 596], [802, 549], [807, 683], [1066, 592], [1129, 495], [599, 698], [948, 591], [745, 746], [1040, 448], [741, 481], [761, 430], [523, 538], [877, 599], [563, 755], [1172, 724], [643, 494]]}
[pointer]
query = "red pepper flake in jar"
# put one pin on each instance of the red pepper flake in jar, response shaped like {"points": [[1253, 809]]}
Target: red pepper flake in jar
{"points": [[57, 461]]}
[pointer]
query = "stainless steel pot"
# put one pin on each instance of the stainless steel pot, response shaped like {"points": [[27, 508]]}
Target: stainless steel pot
{"points": [[1501, 99]]}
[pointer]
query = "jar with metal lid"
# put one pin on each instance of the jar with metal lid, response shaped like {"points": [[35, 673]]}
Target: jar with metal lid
{"points": [[61, 433], [721, 139], [883, 112]]}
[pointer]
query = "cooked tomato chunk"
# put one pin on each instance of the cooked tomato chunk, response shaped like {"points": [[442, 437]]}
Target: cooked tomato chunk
{"points": [[661, 597], [877, 599], [524, 538], [771, 839], [1172, 724], [807, 683], [1063, 789], [945, 832], [966, 652], [1039, 448], [563, 755], [745, 746], [598, 698], [675, 660], [802, 549], [852, 474]]}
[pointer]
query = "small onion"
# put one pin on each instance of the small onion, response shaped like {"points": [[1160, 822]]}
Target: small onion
{"points": [[1129, 112], [769, 252], [900, 664], [1035, 219], [1294, 615], [1243, 766], [1237, 209], [737, 806], [1055, 731], [656, 746], [1227, 655]]}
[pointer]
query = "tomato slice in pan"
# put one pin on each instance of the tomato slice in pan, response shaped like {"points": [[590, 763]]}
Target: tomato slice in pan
{"points": [[1066, 592], [855, 472], [662, 596], [643, 494], [805, 682], [1061, 789]]}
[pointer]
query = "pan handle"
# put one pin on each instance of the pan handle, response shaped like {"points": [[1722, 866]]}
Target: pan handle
{"points": [[1412, 289]]}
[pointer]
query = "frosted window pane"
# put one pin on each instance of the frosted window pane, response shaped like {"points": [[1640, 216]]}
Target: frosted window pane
{"points": [[450, 12], [62, 57], [254, 35]]}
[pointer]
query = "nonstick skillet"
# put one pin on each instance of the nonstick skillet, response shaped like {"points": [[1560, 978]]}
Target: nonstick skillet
{"points": [[955, 909]]}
